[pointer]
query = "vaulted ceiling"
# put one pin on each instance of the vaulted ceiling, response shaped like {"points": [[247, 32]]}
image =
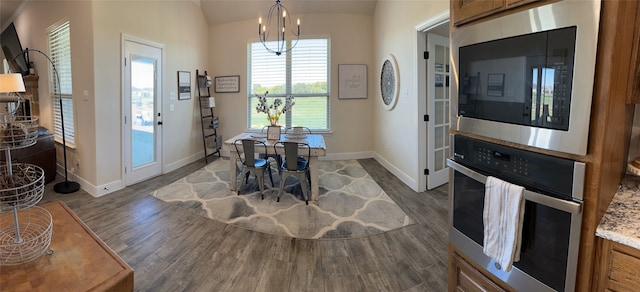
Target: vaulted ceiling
{"points": [[223, 11]]}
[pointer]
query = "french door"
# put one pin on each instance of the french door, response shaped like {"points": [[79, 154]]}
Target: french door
{"points": [[142, 96], [438, 101]]}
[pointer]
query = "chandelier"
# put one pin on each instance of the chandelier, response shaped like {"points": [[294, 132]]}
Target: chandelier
{"points": [[277, 23]]}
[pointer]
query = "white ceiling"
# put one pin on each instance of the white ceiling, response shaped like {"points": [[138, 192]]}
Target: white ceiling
{"points": [[224, 11], [7, 7]]}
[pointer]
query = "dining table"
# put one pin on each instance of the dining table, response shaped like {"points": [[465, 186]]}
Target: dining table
{"points": [[315, 141]]}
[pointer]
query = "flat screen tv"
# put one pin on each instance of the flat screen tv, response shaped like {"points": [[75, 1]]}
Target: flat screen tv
{"points": [[12, 50]]}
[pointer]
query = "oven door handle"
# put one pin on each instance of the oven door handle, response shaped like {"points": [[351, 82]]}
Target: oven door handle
{"points": [[564, 205]]}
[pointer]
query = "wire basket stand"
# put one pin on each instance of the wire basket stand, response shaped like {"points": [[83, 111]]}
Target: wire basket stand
{"points": [[25, 230]]}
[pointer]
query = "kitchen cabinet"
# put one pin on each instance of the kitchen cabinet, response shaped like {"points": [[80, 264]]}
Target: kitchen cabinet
{"points": [[633, 89], [463, 11], [467, 10], [464, 277], [618, 267]]}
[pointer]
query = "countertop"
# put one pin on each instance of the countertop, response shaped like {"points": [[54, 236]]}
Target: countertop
{"points": [[621, 221]]}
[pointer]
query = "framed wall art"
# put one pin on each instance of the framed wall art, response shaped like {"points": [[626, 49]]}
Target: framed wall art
{"points": [[224, 84], [184, 85], [352, 81], [389, 82]]}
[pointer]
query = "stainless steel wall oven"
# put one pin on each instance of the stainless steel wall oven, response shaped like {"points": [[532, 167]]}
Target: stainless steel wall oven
{"points": [[528, 77], [552, 217]]}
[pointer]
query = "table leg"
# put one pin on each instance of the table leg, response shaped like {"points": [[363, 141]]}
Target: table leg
{"points": [[233, 154], [313, 168]]}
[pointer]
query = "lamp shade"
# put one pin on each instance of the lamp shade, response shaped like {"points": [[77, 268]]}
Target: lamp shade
{"points": [[11, 83]]}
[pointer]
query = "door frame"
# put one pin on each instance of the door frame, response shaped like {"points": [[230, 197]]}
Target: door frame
{"points": [[124, 38], [419, 77]]}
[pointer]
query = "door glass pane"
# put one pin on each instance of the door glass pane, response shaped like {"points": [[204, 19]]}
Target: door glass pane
{"points": [[439, 132], [142, 111], [440, 114], [439, 159]]}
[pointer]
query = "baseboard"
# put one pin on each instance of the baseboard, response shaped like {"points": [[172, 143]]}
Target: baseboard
{"points": [[410, 182], [93, 190], [348, 155], [169, 167]]}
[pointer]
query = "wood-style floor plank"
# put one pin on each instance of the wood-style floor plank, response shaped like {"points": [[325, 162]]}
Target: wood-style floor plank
{"points": [[172, 249]]}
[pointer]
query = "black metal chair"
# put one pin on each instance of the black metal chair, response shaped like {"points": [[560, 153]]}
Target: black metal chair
{"points": [[252, 164], [294, 166]]}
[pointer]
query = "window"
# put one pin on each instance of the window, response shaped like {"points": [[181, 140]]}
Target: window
{"points": [[60, 54], [301, 73]]}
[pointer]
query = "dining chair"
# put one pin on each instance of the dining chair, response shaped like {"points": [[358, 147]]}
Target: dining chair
{"points": [[294, 166], [252, 164]]}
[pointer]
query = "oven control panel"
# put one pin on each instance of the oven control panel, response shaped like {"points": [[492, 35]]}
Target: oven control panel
{"points": [[516, 164], [544, 172]]}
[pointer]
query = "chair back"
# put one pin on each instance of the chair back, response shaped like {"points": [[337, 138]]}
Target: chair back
{"points": [[291, 150], [249, 149]]}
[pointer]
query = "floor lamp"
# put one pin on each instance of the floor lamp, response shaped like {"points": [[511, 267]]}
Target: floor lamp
{"points": [[67, 186]]}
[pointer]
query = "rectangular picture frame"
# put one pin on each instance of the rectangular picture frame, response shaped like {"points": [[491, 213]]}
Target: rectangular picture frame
{"points": [[184, 85], [273, 133], [226, 84], [352, 81]]}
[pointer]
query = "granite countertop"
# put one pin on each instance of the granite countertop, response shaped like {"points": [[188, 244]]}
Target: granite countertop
{"points": [[621, 221]]}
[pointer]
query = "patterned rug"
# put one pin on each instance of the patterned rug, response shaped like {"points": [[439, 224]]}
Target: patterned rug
{"points": [[350, 204]]}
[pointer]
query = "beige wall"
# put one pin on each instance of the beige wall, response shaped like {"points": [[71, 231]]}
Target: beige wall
{"points": [[181, 28], [96, 30], [396, 140], [351, 42], [32, 25]]}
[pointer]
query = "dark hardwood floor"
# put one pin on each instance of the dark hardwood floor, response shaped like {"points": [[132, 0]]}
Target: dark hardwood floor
{"points": [[171, 249]]}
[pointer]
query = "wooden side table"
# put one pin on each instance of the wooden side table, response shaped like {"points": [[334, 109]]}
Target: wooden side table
{"points": [[80, 261]]}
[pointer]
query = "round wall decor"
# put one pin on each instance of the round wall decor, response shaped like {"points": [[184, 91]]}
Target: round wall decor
{"points": [[389, 82]]}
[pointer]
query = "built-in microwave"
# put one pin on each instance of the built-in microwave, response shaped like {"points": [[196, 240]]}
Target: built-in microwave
{"points": [[528, 77]]}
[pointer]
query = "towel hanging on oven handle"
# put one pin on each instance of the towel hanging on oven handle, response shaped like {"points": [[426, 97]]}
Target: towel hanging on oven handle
{"points": [[563, 205]]}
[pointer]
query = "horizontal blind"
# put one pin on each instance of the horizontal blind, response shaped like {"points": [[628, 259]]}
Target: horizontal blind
{"points": [[60, 54], [307, 82], [268, 71]]}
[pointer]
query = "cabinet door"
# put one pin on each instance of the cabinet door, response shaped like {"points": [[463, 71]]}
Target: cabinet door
{"points": [[464, 277], [467, 10], [633, 94], [514, 3], [618, 267]]}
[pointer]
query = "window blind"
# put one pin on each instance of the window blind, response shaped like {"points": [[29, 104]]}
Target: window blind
{"points": [[60, 54], [301, 73]]}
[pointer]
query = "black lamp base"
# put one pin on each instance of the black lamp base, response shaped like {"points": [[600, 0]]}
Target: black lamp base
{"points": [[66, 187]]}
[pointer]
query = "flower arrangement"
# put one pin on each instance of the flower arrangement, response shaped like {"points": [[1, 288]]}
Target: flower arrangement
{"points": [[273, 111]]}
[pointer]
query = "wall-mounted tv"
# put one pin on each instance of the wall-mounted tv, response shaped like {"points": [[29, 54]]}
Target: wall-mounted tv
{"points": [[12, 50]]}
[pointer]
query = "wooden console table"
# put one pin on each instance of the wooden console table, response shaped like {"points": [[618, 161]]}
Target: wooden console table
{"points": [[80, 261]]}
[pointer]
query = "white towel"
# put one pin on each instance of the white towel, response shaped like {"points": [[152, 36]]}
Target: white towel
{"points": [[502, 217]]}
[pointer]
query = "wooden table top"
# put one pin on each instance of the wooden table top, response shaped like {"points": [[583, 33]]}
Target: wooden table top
{"points": [[80, 261]]}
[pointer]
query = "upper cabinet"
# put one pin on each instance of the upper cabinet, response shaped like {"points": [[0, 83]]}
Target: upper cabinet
{"points": [[467, 10], [463, 11], [633, 87]]}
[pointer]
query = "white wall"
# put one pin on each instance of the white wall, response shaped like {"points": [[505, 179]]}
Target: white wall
{"points": [[396, 139], [351, 39]]}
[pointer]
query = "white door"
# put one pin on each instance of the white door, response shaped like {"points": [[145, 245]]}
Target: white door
{"points": [[438, 100], [142, 69]]}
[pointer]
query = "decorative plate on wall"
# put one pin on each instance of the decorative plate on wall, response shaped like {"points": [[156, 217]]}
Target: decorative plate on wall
{"points": [[389, 82]]}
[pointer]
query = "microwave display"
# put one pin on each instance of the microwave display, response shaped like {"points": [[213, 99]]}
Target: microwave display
{"points": [[523, 80]]}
